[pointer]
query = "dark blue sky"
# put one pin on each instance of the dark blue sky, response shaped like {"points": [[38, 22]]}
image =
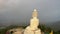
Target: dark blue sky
{"points": [[21, 10]]}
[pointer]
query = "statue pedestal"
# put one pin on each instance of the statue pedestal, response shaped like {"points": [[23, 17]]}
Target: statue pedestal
{"points": [[28, 30]]}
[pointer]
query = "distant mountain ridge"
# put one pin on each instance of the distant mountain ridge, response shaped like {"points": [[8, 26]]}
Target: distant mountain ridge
{"points": [[54, 25]]}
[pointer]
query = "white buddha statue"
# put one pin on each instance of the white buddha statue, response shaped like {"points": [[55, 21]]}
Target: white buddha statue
{"points": [[33, 27]]}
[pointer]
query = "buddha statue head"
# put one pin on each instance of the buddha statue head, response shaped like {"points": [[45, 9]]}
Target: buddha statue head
{"points": [[35, 14]]}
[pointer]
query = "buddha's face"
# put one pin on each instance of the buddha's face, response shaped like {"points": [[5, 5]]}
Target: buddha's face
{"points": [[34, 14]]}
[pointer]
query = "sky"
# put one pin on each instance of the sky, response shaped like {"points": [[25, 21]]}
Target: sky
{"points": [[20, 11]]}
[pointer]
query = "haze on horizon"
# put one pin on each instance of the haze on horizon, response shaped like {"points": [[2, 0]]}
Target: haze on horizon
{"points": [[20, 11]]}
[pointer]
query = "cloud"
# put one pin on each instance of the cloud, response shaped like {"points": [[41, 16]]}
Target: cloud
{"points": [[21, 10]]}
